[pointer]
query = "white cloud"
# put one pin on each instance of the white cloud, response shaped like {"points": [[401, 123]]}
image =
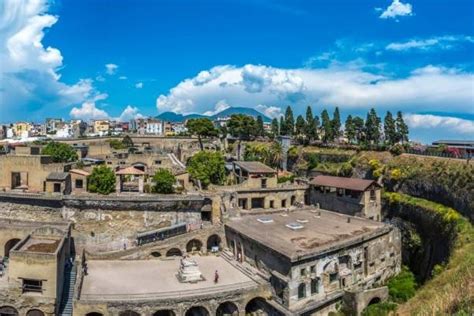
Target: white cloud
{"points": [[441, 42], [270, 111], [123, 77], [100, 78], [139, 85], [220, 106], [431, 88], [29, 78], [397, 8], [446, 123], [111, 69], [129, 113], [88, 111]]}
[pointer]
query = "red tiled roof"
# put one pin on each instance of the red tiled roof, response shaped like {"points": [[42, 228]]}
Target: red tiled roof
{"points": [[343, 183]]}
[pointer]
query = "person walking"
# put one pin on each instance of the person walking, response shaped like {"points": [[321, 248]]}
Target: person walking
{"points": [[216, 277]]}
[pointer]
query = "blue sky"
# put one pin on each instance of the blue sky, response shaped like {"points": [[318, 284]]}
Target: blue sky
{"points": [[119, 59]]}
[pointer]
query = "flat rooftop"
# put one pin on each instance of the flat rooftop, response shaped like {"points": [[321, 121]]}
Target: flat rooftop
{"points": [[119, 280], [41, 245], [305, 233]]}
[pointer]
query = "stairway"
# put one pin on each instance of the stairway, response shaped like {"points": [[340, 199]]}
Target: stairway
{"points": [[65, 308]]}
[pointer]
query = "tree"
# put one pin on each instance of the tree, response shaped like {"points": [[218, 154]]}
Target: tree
{"points": [[349, 129], [300, 126], [60, 152], [201, 127], [242, 126], [359, 128], [327, 127], [289, 121], [116, 144], [127, 141], [283, 129], [275, 154], [164, 181], [101, 180], [310, 128], [372, 127], [336, 123], [260, 130], [402, 128], [316, 124], [275, 128], [389, 128], [207, 167]]}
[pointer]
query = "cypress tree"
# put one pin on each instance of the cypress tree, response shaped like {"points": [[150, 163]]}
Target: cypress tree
{"points": [[389, 129], [289, 121], [300, 126], [372, 127], [402, 128], [349, 129], [275, 128], [359, 129], [316, 125], [283, 129], [260, 131], [336, 123], [310, 129], [326, 126]]}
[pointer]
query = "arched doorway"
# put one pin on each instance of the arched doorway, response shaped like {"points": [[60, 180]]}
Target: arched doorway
{"points": [[129, 313], [257, 306], [374, 300], [8, 311], [34, 312], [227, 308], [193, 245], [213, 241], [9, 246], [164, 312], [156, 254], [197, 311], [94, 314], [174, 252]]}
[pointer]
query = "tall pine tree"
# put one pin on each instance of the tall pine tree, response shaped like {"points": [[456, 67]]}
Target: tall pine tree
{"points": [[310, 129], [389, 129], [283, 129], [326, 127], [275, 129], [300, 126], [349, 129], [402, 128], [289, 121], [336, 123], [260, 130], [372, 127], [359, 129]]}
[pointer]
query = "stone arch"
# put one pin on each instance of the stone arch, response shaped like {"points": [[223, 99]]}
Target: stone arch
{"points": [[174, 252], [193, 245], [129, 313], [34, 312], [374, 300], [227, 308], [197, 311], [164, 312], [155, 254], [8, 311], [140, 165], [214, 241], [9, 246], [257, 306], [94, 314]]}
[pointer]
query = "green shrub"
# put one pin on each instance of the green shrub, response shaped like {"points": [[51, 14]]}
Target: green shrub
{"points": [[101, 180], [60, 152], [379, 309], [288, 178], [164, 181], [402, 286], [207, 167]]}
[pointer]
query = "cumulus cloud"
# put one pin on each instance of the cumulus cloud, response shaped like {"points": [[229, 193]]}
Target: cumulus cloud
{"points": [[431, 87], [129, 113], [88, 111], [449, 124], [397, 8], [111, 69], [29, 78], [220, 106], [123, 77], [441, 42], [139, 85]]}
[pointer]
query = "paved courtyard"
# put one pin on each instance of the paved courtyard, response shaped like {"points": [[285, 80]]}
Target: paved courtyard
{"points": [[146, 279]]}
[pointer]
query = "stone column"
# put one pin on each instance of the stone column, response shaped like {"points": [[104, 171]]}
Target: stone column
{"points": [[140, 184], [118, 183]]}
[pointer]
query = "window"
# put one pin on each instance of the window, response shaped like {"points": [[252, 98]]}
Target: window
{"points": [[157, 162], [340, 192], [332, 277], [314, 286], [79, 184], [357, 265], [272, 204], [264, 183], [313, 269], [57, 187], [301, 291], [283, 203], [303, 272], [372, 195], [32, 286]]}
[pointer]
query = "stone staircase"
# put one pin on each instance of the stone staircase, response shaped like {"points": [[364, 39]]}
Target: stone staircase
{"points": [[65, 308]]}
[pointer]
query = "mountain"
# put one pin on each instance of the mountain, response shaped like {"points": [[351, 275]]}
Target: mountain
{"points": [[175, 117]]}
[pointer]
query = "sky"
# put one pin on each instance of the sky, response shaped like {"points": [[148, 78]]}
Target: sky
{"points": [[122, 59]]}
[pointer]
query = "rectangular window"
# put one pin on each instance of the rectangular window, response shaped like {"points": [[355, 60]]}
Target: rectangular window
{"points": [[57, 187], [264, 183], [303, 272], [372, 195], [157, 162], [357, 265], [32, 286], [333, 277], [283, 203], [79, 184], [313, 269], [272, 204], [314, 286]]}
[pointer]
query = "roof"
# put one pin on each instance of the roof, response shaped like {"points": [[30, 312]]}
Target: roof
{"points": [[343, 183], [79, 171], [57, 176], [306, 233], [130, 170], [457, 142], [254, 167]]}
